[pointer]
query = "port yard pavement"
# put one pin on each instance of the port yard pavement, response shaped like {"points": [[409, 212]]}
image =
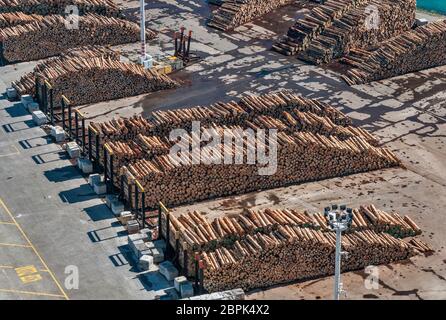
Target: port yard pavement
{"points": [[50, 220]]}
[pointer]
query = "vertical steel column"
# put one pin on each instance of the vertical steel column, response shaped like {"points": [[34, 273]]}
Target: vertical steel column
{"points": [[159, 223], [76, 127], [83, 136], [143, 208], [90, 143], [51, 107], [105, 170], [63, 114], [70, 129], [185, 263], [167, 234], [201, 276], [197, 258], [136, 201], [112, 185], [97, 152], [338, 264]]}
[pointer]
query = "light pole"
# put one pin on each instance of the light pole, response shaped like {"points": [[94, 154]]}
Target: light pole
{"points": [[339, 219], [143, 30]]}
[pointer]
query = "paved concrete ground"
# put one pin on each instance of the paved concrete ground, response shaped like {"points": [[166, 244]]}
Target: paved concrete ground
{"points": [[67, 224]]}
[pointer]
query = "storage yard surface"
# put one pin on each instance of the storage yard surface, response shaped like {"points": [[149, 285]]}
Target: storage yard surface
{"points": [[50, 218]]}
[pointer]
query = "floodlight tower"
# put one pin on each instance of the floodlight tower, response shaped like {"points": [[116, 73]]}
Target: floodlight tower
{"points": [[143, 30], [339, 219]]}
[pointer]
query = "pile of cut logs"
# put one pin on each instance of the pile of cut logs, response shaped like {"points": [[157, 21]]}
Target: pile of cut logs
{"points": [[294, 253], [418, 49], [47, 7], [301, 157], [50, 37], [27, 84], [17, 18], [313, 24], [90, 80], [329, 32], [357, 29], [234, 13]]}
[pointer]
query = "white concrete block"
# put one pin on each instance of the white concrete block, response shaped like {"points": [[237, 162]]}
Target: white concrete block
{"points": [[94, 179], [25, 99], [33, 106], [58, 134], [178, 281], [168, 270], [158, 255], [132, 226], [11, 93], [87, 166], [160, 244], [73, 150], [147, 233], [186, 289], [117, 207], [39, 117], [145, 262], [100, 188], [109, 198]]}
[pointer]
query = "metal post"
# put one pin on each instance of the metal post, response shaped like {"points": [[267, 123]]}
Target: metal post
{"points": [[97, 152], [143, 31], [83, 136], [143, 209], [201, 276], [90, 155], [136, 200], [44, 97], [167, 234], [63, 114], [337, 264], [159, 223], [185, 262], [36, 81], [112, 190], [51, 106], [70, 129], [188, 43], [121, 189], [197, 258], [76, 126], [105, 170], [2, 57], [176, 44]]}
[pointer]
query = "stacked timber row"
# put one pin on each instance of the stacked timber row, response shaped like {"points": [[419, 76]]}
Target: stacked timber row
{"points": [[50, 37], [90, 80], [301, 157], [234, 13], [418, 49], [363, 27], [18, 18], [233, 113], [293, 253], [27, 84], [48, 7], [196, 233], [299, 35]]}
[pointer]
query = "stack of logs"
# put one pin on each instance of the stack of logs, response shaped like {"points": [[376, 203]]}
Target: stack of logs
{"points": [[50, 37], [90, 80], [47, 7], [357, 29], [238, 250], [234, 13], [418, 49], [300, 157], [27, 84], [304, 30], [17, 18]]}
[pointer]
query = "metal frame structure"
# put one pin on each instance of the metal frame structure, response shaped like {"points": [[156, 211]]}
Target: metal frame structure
{"points": [[339, 220]]}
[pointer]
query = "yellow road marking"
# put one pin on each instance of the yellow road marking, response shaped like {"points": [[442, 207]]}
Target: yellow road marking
{"points": [[6, 222], [33, 293], [12, 267], [15, 245], [28, 274], [35, 250]]}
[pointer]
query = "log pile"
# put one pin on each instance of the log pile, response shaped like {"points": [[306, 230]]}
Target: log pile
{"points": [[17, 18], [354, 30], [48, 7], [418, 49], [50, 37], [91, 80], [234, 13], [27, 84], [294, 253], [313, 24], [301, 157], [198, 233]]}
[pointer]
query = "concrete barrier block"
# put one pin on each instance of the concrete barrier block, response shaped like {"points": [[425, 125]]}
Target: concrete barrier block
{"points": [[32, 106], [133, 246], [135, 237], [73, 150], [178, 281], [58, 134], [125, 217], [39, 117], [132, 226], [147, 233], [186, 290], [158, 255], [109, 198], [100, 188], [25, 99], [94, 179], [11, 93], [117, 207], [86, 166], [145, 262], [168, 270]]}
